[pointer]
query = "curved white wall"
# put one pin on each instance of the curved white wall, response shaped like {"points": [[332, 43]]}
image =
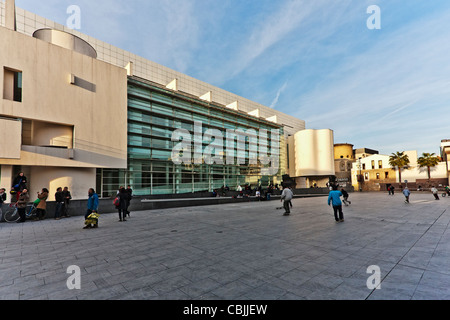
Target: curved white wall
{"points": [[314, 153]]}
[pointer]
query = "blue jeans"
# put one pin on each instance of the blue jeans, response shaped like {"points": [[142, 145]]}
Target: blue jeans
{"points": [[58, 209]]}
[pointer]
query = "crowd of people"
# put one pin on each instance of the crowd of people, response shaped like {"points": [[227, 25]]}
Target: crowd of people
{"points": [[247, 191], [407, 192], [20, 196]]}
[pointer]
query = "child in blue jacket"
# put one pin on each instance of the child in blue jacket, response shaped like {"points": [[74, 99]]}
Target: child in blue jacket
{"points": [[334, 198]]}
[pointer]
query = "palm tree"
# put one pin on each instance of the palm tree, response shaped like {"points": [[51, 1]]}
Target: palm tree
{"points": [[400, 160], [428, 160]]}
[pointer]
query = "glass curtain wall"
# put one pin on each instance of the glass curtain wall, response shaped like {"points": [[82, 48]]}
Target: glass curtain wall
{"points": [[153, 115]]}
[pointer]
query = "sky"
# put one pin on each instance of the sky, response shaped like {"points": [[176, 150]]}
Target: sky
{"points": [[386, 88]]}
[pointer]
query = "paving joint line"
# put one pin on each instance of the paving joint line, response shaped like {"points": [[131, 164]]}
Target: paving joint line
{"points": [[398, 262]]}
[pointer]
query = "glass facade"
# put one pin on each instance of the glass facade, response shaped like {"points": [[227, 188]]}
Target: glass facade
{"points": [[154, 113]]}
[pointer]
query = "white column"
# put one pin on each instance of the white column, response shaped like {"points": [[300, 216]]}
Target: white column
{"points": [[10, 15], [6, 180]]}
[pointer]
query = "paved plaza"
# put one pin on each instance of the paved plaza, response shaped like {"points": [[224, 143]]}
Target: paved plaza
{"points": [[241, 251]]}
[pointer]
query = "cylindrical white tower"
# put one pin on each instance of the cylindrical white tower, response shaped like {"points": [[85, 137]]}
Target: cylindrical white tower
{"points": [[314, 153]]}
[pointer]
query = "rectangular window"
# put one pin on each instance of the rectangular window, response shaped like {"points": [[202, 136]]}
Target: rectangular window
{"points": [[378, 176], [366, 176], [386, 175], [373, 164], [380, 164], [364, 166], [12, 85]]}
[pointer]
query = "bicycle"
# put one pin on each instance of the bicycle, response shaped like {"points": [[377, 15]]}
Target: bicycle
{"points": [[12, 214], [32, 211]]}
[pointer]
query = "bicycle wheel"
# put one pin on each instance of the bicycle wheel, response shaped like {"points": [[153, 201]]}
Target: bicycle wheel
{"points": [[12, 215], [32, 212]]}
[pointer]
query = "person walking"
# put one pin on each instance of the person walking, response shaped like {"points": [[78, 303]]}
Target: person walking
{"points": [[67, 197], [59, 198], [286, 197], [435, 191], [92, 204], [345, 195], [334, 199], [406, 193], [392, 189], [41, 208], [130, 196], [22, 203], [123, 196]]}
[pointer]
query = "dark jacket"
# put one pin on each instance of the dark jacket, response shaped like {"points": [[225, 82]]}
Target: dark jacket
{"points": [[59, 197], [67, 196], [3, 198], [19, 183], [124, 197]]}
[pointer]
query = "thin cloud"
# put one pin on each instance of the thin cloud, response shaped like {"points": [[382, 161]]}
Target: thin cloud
{"points": [[409, 68], [289, 21], [277, 98]]}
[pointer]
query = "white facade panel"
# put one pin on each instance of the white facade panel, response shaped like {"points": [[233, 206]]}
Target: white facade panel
{"points": [[10, 137]]}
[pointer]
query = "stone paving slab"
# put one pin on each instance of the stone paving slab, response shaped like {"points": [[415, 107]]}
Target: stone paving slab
{"points": [[241, 251]]}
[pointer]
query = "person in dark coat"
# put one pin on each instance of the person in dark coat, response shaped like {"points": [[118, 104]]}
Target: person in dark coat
{"points": [[67, 197], [124, 197], [19, 183], [130, 191], [59, 198], [22, 203], [345, 195]]}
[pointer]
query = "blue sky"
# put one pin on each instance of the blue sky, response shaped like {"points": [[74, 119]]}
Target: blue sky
{"points": [[386, 89]]}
